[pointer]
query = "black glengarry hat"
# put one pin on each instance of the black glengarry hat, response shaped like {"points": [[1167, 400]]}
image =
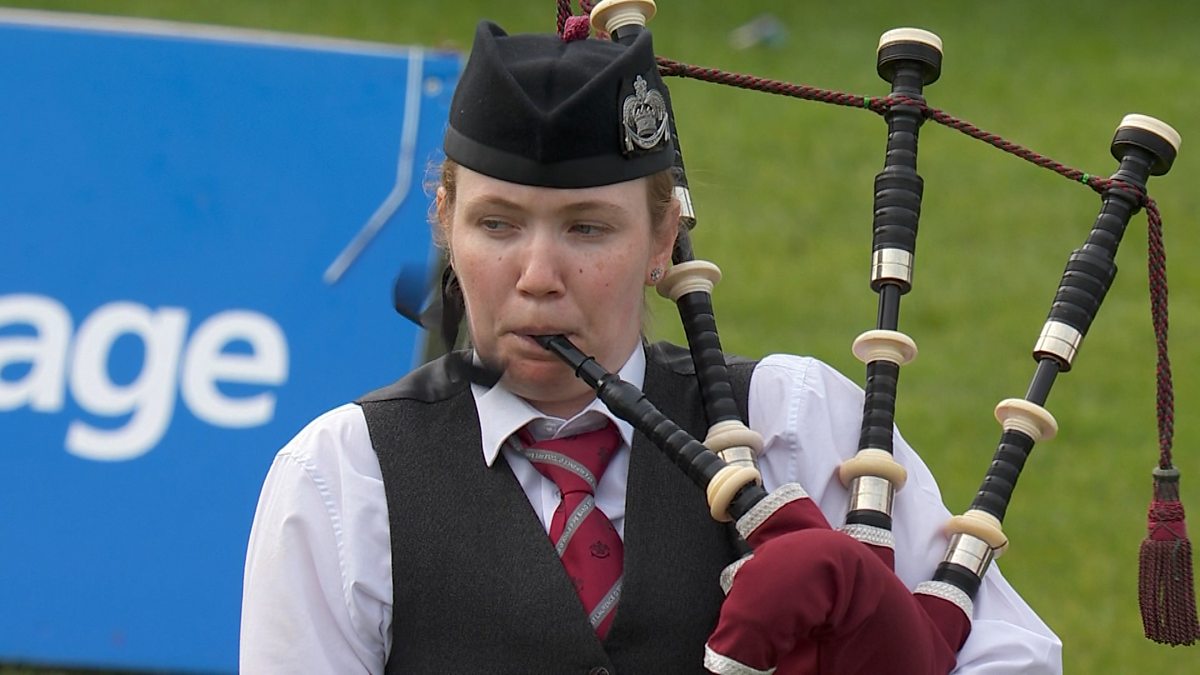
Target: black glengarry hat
{"points": [[535, 110]]}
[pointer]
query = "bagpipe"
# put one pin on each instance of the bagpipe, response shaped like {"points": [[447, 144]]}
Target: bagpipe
{"points": [[723, 464]]}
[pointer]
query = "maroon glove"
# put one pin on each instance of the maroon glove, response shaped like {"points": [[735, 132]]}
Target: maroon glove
{"points": [[813, 600]]}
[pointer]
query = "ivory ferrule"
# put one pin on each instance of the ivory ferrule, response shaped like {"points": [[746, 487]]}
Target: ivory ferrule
{"points": [[1059, 341], [1031, 419], [873, 462], [1153, 125], [731, 434], [872, 493], [689, 277], [896, 35], [884, 345], [614, 15], [970, 552], [724, 487], [735, 443], [892, 264], [980, 525]]}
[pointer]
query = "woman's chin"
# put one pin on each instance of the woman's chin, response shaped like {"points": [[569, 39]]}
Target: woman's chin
{"points": [[549, 386], [527, 375]]}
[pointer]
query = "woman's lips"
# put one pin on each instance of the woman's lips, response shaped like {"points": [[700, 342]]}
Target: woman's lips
{"points": [[528, 336]]}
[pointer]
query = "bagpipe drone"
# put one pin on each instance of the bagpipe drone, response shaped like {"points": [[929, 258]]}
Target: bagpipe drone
{"points": [[723, 464]]}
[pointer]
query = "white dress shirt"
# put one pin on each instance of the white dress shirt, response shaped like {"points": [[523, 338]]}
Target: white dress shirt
{"points": [[318, 582]]}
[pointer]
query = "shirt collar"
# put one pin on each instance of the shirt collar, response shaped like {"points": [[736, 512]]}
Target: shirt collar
{"points": [[502, 413]]}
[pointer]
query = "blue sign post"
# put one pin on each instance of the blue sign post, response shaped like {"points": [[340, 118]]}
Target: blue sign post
{"points": [[201, 231]]}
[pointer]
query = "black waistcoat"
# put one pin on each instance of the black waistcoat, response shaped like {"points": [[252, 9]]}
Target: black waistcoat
{"points": [[478, 586]]}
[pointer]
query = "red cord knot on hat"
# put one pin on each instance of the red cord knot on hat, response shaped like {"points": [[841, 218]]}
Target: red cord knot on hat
{"points": [[576, 28]]}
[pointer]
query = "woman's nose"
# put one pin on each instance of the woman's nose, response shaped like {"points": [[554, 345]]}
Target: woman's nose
{"points": [[541, 265]]}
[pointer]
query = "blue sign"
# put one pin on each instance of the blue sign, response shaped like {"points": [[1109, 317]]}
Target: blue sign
{"points": [[201, 231]]}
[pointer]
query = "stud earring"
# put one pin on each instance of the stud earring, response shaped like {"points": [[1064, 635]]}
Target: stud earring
{"points": [[655, 275]]}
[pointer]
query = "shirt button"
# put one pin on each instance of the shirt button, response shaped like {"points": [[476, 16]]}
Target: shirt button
{"points": [[598, 670]]}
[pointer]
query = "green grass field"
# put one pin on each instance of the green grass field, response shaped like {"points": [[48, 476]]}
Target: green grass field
{"points": [[783, 193]]}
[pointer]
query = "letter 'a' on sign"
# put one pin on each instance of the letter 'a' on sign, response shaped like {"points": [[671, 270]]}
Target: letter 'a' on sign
{"points": [[42, 355], [174, 199]]}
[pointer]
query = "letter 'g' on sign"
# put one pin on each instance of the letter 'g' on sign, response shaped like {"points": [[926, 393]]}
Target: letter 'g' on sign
{"points": [[150, 396]]}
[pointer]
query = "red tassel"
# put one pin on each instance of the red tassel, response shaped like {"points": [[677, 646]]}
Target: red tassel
{"points": [[1166, 592], [576, 28]]}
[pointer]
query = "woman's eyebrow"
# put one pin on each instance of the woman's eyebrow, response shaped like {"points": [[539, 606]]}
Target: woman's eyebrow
{"points": [[591, 206], [493, 201], [605, 208]]}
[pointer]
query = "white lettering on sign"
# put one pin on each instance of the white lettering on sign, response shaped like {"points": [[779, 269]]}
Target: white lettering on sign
{"points": [[46, 353], [54, 361]]}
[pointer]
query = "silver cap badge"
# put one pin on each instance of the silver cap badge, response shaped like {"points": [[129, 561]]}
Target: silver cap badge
{"points": [[644, 117]]}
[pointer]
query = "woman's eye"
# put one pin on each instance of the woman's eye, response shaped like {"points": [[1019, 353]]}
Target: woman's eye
{"points": [[494, 225], [587, 229]]}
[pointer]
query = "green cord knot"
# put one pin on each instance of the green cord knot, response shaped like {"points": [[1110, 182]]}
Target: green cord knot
{"points": [[1085, 178]]}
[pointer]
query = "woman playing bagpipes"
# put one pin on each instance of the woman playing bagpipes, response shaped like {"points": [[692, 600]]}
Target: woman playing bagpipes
{"points": [[489, 513]]}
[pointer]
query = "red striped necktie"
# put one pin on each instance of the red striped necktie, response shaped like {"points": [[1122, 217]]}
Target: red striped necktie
{"points": [[588, 545]]}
